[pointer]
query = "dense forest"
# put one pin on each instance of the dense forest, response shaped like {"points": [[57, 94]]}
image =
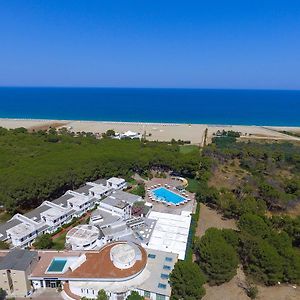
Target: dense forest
{"points": [[43, 165]]}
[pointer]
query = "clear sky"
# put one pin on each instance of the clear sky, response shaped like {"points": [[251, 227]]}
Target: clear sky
{"points": [[157, 43]]}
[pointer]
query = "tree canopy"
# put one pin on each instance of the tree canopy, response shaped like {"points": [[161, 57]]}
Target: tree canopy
{"points": [[44, 241], [217, 258], [186, 281], [34, 168], [102, 295], [135, 296]]}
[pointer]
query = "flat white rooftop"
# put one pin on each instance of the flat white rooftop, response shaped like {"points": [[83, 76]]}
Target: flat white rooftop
{"points": [[116, 180], [78, 200], [100, 189], [21, 230], [53, 213], [170, 233]]}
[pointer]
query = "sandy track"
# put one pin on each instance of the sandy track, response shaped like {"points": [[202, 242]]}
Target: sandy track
{"points": [[211, 218]]}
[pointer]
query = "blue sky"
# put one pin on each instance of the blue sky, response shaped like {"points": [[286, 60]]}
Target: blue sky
{"points": [[139, 43]]}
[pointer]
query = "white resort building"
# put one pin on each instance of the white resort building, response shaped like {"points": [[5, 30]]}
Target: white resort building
{"points": [[21, 230], [119, 268], [119, 250], [83, 237], [117, 183]]}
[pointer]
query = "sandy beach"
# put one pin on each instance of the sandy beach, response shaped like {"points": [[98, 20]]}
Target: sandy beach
{"points": [[157, 131]]}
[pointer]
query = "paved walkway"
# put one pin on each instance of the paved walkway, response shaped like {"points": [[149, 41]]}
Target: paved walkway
{"points": [[44, 294], [69, 293]]}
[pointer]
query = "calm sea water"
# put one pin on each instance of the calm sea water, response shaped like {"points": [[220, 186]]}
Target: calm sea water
{"points": [[251, 107]]}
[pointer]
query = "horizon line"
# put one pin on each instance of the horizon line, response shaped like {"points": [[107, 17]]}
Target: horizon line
{"points": [[154, 88]]}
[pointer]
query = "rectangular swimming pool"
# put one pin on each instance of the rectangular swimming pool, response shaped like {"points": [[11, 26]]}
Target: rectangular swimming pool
{"points": [[164, 194], [57, 265]]}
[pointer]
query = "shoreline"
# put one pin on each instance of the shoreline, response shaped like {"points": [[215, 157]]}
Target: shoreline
{"points": [[159, 131], [293, 127]]}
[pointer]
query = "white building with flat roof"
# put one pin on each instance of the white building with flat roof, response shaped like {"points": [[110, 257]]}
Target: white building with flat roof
{"points": [[25, 231], [130, 135], [80, 203], [21, 230], [56, 216], [99, 190], [116, 207], [170, 233], [117, 183]]}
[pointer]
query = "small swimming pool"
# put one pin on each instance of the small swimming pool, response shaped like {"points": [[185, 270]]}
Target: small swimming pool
{"points": [[57, 265], [164, 194]]}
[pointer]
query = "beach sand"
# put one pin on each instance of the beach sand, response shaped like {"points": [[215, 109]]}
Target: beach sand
{"points": [[156, 131]]}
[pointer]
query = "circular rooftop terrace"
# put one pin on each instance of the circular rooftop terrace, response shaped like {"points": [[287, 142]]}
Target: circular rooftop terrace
{"points": [[82, 236]]}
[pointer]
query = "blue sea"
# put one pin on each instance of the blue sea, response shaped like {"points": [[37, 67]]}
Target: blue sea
{"points": [[249, 107]]}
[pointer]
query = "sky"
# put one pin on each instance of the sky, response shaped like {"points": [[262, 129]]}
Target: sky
{"points": [[251, 44]]}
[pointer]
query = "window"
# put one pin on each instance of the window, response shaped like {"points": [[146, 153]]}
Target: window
{"points": [[152, 256], [147, 294], [160, 297], [165, 267], [168, 259], [164, 276], [162, 286]]}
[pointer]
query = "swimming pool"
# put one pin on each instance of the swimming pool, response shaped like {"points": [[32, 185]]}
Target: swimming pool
{"points": [[164, 194], [57, 265]]}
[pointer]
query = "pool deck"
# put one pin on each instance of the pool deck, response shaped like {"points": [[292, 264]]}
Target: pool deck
{"points": [[172, 209]]}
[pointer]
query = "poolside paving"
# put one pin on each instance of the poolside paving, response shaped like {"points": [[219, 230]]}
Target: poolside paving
{"points": [[171, 209]]}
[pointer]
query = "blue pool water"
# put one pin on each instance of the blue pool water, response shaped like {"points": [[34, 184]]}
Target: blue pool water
{"points": [[57, 265], [168, 196]]}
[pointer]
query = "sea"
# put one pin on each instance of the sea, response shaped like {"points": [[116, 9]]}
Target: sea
{"points": [[192, 106]]}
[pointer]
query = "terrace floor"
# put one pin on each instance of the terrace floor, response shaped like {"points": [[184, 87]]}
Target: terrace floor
{"points": [[97, 264]]}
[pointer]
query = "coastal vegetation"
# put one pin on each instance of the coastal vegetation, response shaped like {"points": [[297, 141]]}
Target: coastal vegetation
{"points": [[259, 176], [43, 165], [187, 281], [217, 257], [257, 184], [295, 134]]}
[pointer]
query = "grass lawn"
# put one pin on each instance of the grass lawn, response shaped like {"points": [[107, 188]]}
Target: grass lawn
{"points": [[4, 217], [192, 186], [59, 242], [188, 148], [131, 181], [138, 190]]}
